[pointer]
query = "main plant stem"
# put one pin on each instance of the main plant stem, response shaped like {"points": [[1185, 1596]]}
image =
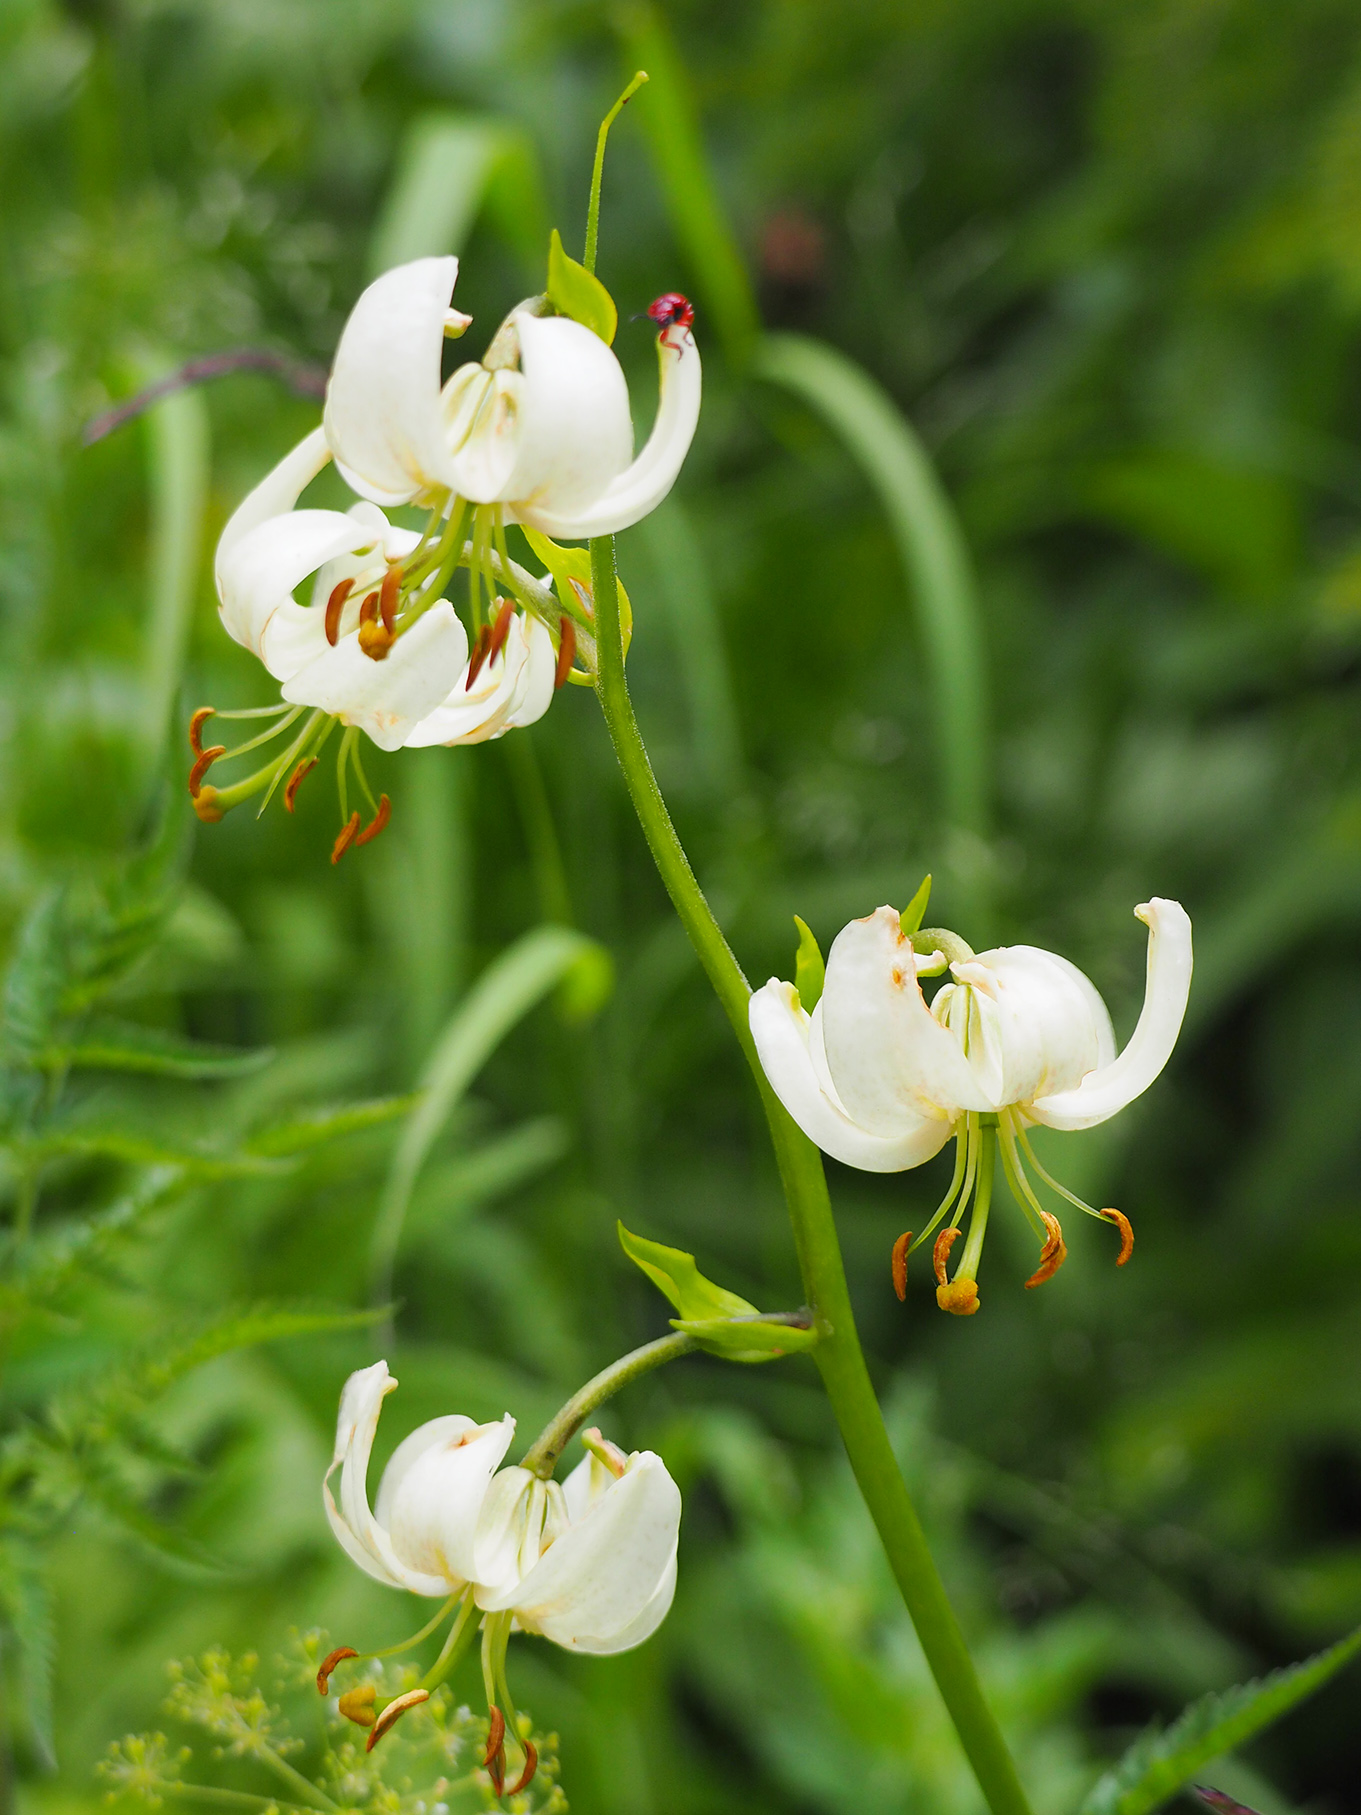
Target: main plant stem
{"points": [[838, 1352]]}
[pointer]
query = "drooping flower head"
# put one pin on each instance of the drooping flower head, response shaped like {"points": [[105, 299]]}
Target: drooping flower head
{"points": [[537, 434], [881, 1079], [589, 1564]]}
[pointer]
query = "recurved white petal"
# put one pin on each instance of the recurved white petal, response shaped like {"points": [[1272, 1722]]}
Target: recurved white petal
{"points": [[277, 492], [1047, 1024], [635, 1634], [515, 689], [1105, 1091], [383, 418], [887, 1056], [639, 488], [782, 1033], [433, 1489], [257, 575], [386, 699], [540, 672], [359, 1533], [594, 1582]]}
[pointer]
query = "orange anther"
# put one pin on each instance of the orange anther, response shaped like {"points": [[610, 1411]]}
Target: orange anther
{"points": [[479, 655], [496, 1770], [348, 833], [394, 1711], [202, 763], [387, 596], [496, 1734], [941, 1252], [357, 1704], [205, 805], [379, 820], [900, 1248], [368, 611], [304, 768], [526, 1776], [567, 649], [1126, 1234], [196, 725], [375, 639], [1052, 1255], [334, 606], [500, 630], [960, 1297], [329, 1663]]}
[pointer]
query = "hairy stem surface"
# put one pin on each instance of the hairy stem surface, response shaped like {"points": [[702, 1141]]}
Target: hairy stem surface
{"points": [[838, 1353]]}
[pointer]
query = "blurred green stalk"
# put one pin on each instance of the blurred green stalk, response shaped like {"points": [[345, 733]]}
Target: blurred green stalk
{"points": [[838, 1352]]}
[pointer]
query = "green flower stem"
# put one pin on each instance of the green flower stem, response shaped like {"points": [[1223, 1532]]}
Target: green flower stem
{"points": [[838, 1353], [541, 1458]]}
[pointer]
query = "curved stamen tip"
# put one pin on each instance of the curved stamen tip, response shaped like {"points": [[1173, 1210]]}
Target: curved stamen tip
{"points": [[295, 780], [941, 1252], [1052, 1255], [1122, 1223], [376, 824], [196, 725], [346, 837], [900, 1248], [958, 1296], [494, 1759], [526, 1776], [329, 1663], [567, 649], [394, 1711], [202, 763]]}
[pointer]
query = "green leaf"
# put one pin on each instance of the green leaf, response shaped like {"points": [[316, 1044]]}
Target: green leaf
{"points": [[810, 972], [240, 1329], [675, 1274], [113, 1045], [134, 1147], [53, 1260], [578, 293], [319, 1126], [912, 915], [749, 1339], [1161, 1761], [931, 549], [26, 1608], [510, 986]]}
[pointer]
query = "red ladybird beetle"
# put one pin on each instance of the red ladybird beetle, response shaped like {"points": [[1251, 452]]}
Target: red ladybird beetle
{"points": [[672, 311]]}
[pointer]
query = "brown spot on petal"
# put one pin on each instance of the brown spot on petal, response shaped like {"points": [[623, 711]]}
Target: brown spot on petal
{"points": [[394, 1711], [1052, 1255], [1121, 1222], [567, 649], [329, 1663], [334, 606], [900, 1248]]}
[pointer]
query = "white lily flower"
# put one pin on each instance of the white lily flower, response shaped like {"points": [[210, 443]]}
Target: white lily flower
{"points": [[421, 1531], [511, 688], [541, 427], [590, 1565], [881, 1080]]}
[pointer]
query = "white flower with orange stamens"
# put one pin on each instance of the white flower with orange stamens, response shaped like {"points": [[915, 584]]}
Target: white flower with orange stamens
{"points": [[881, 1080]]}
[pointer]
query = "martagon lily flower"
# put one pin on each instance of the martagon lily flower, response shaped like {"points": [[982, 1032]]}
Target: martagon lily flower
{"points": [[881, 1079], [589, 1564], [538, 434]]}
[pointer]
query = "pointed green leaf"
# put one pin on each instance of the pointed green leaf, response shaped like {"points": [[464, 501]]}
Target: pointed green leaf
{"points": [[1161, 1761], [111, 1045], [747, 1339], [578, 293], [809, 971], [318, 1126], [915, 911], [26, 1608], [675, 1274]]}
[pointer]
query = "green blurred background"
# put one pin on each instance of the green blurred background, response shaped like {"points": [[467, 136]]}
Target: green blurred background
{"points": [[1107, 257]]}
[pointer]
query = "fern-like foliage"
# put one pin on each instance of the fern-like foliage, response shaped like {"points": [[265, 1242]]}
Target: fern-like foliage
{"points": [[1162, 1760], [261, 1762]]}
